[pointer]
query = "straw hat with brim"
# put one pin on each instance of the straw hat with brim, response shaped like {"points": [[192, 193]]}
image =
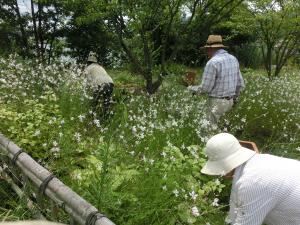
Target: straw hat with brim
{"points": [[92, 57], [224, 154], [214, 41]]}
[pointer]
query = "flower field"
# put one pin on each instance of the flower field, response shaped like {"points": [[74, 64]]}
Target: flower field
{"points": [[143, 165]]}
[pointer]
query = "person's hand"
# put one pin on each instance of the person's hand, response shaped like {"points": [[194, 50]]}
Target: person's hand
{"points": [[193, 89], [235, 100]]}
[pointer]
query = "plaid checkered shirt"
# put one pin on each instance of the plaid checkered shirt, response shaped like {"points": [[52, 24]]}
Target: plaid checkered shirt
{"points": [[221, 77]]}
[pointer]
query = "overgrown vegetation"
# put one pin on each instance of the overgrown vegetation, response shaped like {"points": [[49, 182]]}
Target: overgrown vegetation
{"points": [[143, 165]]}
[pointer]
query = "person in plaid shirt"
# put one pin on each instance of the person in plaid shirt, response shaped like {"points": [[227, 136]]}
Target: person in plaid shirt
{"points": [[221, 80]]}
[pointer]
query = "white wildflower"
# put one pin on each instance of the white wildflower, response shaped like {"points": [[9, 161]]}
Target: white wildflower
{"points": [[55, 149], [215, 202], [37, 133], [144, 158], [96, 122], [77, 136], [176, 192], [132, 153], [195, 211], [151, 161], [81, 118], [217, 182], [193, 195], [163, 154]]}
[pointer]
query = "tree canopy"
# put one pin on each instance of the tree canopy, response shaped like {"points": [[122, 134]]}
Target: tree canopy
{"points": [[150, 35]]}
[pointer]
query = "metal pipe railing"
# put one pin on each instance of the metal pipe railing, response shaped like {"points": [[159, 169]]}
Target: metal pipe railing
{"points": [[73, 204]]}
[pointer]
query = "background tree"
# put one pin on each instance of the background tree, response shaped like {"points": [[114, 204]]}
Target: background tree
{"points": [[13, 28], [34, 32], [279, 32], [48, 22], [153, 33], [240, 34], [201, 16], [83, 37], [142, 29]]}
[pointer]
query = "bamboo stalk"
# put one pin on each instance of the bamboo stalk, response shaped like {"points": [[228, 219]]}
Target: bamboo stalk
{"points": [[76, 206]]}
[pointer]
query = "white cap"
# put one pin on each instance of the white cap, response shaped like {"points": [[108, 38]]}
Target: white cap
{"points": [[224, 154], [92, 57]]}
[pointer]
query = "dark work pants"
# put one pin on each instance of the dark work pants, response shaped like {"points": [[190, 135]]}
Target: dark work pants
{"points": [[103, 94]]}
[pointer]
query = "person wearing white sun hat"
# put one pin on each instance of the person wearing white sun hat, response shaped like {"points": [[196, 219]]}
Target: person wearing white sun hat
{"points": [[265, 188]]}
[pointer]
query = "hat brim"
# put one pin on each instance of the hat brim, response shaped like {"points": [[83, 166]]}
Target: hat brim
{"points": [[92, 60], [224, 166], [214, 46]]}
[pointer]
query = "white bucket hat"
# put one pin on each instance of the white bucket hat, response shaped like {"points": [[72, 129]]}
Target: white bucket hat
{"points": [[92, 57], [224, 154]]}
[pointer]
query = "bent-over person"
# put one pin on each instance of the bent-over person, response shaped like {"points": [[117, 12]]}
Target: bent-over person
{"points": [[265, 188], [101, 84]]}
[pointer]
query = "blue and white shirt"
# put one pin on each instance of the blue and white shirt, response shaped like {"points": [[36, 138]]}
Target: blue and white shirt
{"points": [[221, 76], [266, 190]]}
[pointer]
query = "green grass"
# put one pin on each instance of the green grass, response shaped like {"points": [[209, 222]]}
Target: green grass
{"points": [[12, 208]]}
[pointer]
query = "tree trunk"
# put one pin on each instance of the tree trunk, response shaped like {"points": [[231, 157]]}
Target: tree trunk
{"points": [[40, 30], [269, 61], [53, 34], [36, 37], [25, 48]]}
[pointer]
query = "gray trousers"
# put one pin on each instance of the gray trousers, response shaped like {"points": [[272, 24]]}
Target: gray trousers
{"points": [[217, 107]]}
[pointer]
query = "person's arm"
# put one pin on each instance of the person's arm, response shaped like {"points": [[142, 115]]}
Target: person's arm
{"points": [[252, 205], [208, 80], [240, 83]]}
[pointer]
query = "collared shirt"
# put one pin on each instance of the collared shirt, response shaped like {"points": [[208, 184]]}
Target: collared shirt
{"points": [[266, 189], [96, 75], [222, 76]]}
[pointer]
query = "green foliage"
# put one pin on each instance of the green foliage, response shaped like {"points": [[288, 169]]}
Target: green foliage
{"points": [[143, 165], [267, 114], [84, 38], [30, 127], [117, 166], [146, 190], [240, 35], [12, 208], [32, 33], [249, 55], [278, 32]]}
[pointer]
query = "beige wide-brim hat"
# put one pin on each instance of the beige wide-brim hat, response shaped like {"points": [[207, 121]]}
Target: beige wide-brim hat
{"points": [[214, 41], [92, 57], [224, 154]]}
